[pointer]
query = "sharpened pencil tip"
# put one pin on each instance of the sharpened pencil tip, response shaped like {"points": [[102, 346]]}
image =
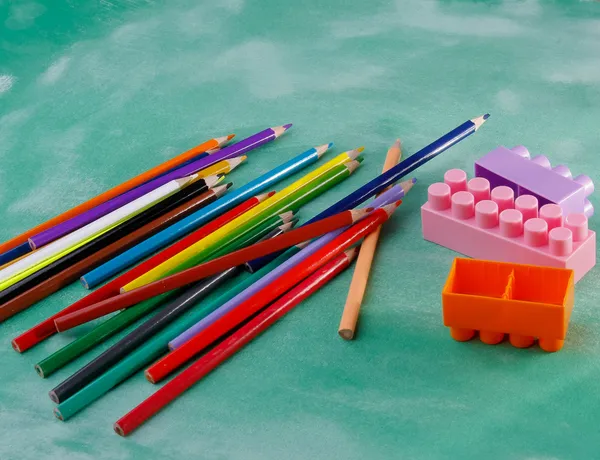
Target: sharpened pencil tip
{"points": [[230, 136], [480, 120], [414, 180], [229, 184], [288, 126], [321, 149]]}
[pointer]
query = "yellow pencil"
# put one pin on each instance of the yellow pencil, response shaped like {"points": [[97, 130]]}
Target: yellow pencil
{"points": [[360, 277], [263, 210]]}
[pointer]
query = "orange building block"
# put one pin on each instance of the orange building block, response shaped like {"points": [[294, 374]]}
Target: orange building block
{"points": [[498, 298]]}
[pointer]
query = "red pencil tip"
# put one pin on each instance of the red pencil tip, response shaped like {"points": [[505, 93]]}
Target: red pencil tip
{"points": [[398, 203], [270, 194]]}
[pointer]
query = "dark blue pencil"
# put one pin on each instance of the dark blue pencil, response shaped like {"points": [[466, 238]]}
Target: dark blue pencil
{"points": [[403, 168], [14, 253]]}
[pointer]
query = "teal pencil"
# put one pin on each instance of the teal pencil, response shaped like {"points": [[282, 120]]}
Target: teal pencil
{"points": [[153, 348]]}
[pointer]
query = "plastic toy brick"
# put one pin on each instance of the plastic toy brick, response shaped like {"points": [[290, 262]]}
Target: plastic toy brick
{"points": [[514, 168], [471, 220], [497, 298]]}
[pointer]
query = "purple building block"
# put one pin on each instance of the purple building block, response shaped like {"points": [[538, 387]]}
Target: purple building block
{"points": [[535, 176]]}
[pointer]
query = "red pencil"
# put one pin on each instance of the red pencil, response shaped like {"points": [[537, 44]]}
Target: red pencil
{"points": [[232, 344], [212, 267], [266, 295], [47, 328]]}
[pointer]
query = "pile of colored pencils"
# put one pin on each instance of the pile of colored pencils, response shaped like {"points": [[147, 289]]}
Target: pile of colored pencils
{"points": [[179, 232]]}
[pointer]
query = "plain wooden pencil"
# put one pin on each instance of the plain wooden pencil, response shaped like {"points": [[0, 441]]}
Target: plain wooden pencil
{"points": [[360, 278]]}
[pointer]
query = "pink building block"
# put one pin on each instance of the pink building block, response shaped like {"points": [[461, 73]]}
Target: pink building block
{"points": [[473, 220]]}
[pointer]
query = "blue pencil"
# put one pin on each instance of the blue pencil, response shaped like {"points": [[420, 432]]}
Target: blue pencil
{"points": [[14, 253], [192, 222], [403, 168]]}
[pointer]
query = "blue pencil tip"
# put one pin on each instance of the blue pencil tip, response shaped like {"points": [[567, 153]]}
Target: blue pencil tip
{"points": [[414, 180], [486, 116], [330, 145]]}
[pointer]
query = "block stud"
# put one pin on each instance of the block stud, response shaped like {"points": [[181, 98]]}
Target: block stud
{"points": [[521, 150], [551, 345], [438, 196], [520, 341], [504, 197], [461, 335], [587, 183], [578, 224], [560, 241], [552, 214], [463, 205], [456, 179], [542, 161], [486, 214], [511, 223], [480, 188], [563, 171], [536, 232], [491, 338], [528, 205]]}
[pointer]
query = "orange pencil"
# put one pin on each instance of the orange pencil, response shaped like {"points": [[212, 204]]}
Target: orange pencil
{"points": [[118, 190], [360, 278]]}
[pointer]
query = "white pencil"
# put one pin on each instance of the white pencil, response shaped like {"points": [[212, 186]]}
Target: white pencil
{"points": [[68, 243]]}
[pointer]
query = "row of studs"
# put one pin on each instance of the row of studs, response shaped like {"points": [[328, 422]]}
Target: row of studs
{"points": [[514, 217], [582, 179]]}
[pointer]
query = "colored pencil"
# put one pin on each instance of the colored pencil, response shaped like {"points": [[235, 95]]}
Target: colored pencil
{"points": [[153, 347], [13, 254], [206, 269], [293, 257], [46, 328], [234, 150], [115, 191], [163, 207], [405, 167], [269, 293], [293, 197], [109, 328], [51, 252], [71, 273], [194, 221], [141, 334], [360, 278], [239, 339]]}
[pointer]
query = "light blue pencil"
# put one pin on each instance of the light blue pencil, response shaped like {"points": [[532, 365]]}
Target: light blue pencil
{"points": [[201, 217]]}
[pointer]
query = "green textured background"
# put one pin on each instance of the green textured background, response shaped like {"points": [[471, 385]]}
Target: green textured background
{"points": [[93, 92]]}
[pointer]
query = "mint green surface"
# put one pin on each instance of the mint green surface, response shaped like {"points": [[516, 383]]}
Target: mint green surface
{"points": [[93, 92]]}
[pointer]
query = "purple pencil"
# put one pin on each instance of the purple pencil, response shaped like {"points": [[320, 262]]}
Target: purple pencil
{"points": [[393, 194], [234, 150]]}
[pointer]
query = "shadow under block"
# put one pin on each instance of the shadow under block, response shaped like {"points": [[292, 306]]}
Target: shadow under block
{"points": [[534, 176], [472, 220], [498, 298]]}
